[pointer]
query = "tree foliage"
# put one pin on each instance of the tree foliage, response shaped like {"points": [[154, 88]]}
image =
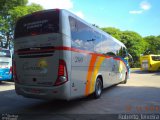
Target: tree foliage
{"points": [[10, 11], [135, 43], [153, 44], [113, 31], [20, 11]]}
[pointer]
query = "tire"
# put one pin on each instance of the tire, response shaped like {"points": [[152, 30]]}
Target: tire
{"points": [[12, 80], [98, 88], [125, 80]]}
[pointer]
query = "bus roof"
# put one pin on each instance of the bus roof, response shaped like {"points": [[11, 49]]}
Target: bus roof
{"points": [[78, 18], [95, 28]]}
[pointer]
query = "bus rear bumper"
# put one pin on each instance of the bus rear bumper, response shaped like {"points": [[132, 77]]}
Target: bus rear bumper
{"points": [[5, 77], [55, 92]]}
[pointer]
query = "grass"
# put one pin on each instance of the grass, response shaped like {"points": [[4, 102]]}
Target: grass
{"points": [[135, 69]]}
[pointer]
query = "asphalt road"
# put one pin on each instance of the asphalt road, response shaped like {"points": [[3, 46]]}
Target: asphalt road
{"points": [[141, 95]]}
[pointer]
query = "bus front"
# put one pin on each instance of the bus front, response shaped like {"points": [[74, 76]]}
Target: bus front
{"points": [[5, 65], [40, 70]]}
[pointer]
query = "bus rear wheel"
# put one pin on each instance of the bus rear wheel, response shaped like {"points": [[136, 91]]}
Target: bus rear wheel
{"points": [[98, 88]]}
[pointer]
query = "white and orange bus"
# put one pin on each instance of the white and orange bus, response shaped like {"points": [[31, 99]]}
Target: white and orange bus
{"points": [[60, 56]]}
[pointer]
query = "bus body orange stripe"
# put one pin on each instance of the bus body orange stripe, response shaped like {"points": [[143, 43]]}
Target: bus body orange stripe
{"points": [[61, 48], [66, 48], [95, 73], [89, 75]]}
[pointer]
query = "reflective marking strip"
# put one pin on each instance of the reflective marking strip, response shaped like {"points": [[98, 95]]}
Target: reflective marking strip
{"points": [[120, 66], [95, 72], [89, 74], [60, 48], [122, 61]]}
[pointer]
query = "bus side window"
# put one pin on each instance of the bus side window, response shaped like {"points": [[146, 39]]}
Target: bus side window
{"points": [[97, 42], [122, 52], [82, 36]]}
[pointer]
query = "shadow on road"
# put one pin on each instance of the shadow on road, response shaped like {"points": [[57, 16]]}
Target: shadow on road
{"points": [[113, 100], [146, 72], [6, 83]]}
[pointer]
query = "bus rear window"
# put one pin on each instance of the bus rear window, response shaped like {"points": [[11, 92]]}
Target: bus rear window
{"points": [[5, 53], [156, 58], [38, 23]]}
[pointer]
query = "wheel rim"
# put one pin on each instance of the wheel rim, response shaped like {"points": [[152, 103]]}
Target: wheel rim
{"points": [[99, 87]]}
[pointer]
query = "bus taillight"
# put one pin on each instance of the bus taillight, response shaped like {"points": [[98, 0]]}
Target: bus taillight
{"points": [[62, 73], [10, 70], [15, 73], [34, 33]]}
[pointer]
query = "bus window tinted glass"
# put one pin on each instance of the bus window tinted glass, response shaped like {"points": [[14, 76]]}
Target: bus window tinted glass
{"points": [[5, 53], [156, 58], [38, 23], [82, 35]]}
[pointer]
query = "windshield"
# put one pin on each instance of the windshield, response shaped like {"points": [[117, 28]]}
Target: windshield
{"points": [[5, 53], [38, 23], [156, 58]]}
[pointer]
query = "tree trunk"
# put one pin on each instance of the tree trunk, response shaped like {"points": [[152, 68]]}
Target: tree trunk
{"points": [[8, 39]]}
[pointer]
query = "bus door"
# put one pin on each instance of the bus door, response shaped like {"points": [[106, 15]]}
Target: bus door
{"points": [[123, 65], [111, 65], [114, 70]]}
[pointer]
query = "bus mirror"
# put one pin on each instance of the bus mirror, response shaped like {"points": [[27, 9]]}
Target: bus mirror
{"points": [[130, 58], [126, 57]]}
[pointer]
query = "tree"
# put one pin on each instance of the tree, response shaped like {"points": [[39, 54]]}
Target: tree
{"points": [[10, 11], [5, 18], [135, 44], [113, 31], [153, 44], [95, 25]]}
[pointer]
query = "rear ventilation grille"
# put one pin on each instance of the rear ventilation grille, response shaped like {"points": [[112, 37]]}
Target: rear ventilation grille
{"points": [[36, 56], [35, 50]]}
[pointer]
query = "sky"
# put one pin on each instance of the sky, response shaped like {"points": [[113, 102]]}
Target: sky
{"points": [[141, 16]]}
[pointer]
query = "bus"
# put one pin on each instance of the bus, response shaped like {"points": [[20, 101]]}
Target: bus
{"points": [[60, 56], [5, 65], [150, 62]]}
